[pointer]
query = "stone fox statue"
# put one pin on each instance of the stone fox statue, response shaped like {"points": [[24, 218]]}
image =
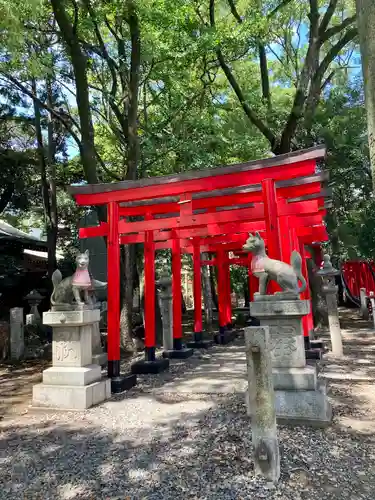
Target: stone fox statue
{"points": [[73, 287], [266, 269]]}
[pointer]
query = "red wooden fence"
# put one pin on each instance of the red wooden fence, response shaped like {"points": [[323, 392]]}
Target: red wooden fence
{"points": [[356, 275]]}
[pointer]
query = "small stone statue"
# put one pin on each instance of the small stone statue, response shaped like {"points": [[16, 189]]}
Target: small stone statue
{"points": [[266, 269], [328, 272], [65, 291], [164, 283]]}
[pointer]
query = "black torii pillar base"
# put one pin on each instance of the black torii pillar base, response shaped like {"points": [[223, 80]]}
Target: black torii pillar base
{"points": [[224, 336], [120, 383], [313, 349], [179, 351], [199, 342], [150, 364]]}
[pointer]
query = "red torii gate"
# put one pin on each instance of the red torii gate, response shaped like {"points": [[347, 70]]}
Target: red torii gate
{"points": [[210, 210]]}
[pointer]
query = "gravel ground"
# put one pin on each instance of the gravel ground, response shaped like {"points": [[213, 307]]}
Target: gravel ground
{"points": [[145, 446]]}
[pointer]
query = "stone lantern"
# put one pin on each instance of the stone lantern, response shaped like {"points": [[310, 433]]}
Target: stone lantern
{"points": [[34, 299], [329, 289]]}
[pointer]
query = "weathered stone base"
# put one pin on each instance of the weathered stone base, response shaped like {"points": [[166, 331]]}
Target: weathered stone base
{"points": [[100, 359], [72, 375], [71, 397], [178, 353], [300, 407], [295, 379], [144, 367], [304, 407]]}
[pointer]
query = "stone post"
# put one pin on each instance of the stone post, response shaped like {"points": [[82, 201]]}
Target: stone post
{"points": [[329, 290], [164, 286], [364, 309], [300, 398], [167, 314], [73, 382], [372, 299], [262, 402], [17, 340]]}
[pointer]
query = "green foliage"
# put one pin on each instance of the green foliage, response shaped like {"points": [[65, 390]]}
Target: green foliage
{"points": [[341, 124], [188, 115]]}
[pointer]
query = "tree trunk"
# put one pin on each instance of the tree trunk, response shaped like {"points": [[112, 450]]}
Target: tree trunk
{"points": [[133, 160], [366, 29], [53, 219], [246, 294], [79, 63], [264, 74], [50, 223], [135, 63], [207, 294], [128, 262]]}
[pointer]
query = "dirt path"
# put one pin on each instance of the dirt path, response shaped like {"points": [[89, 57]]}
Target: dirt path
{"points": [[351, 379], [141, 444], [16, 383]]}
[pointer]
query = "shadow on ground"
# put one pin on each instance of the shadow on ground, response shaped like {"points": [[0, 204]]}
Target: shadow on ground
{"points": [[16, 383], [166, 445], [204, 454]]}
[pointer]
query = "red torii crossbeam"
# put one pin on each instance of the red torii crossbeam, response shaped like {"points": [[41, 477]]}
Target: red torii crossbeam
{"points": [[209, 210]]}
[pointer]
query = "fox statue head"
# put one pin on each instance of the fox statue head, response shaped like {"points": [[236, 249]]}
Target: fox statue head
{"points": [[254, 243], [82, 260]]}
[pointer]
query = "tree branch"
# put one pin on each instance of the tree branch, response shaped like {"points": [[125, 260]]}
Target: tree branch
{"points": [[110, 62], [317, 85], [335, 30], [254, 119], [112, 175], [234, 11], [263, 65], [311, 61], [327, 16], [281, 5], [334, 52], [42, 104]]}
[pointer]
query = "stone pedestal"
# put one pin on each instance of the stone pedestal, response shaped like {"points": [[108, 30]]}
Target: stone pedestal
{"points": [[73, 382], [299, 397]]}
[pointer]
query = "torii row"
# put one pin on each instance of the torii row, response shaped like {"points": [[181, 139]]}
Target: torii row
{"points": [[212, 210]]}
